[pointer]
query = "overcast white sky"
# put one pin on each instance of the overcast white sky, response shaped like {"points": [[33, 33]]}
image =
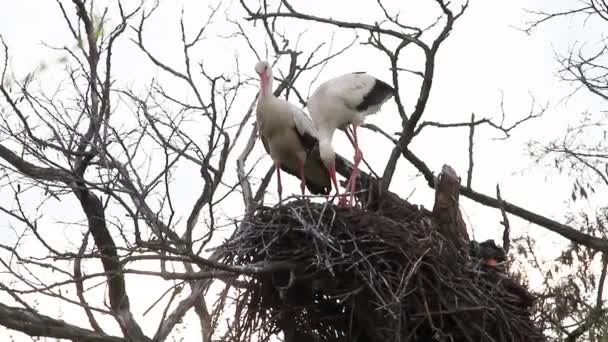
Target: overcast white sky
{"points": [[483, 56]]}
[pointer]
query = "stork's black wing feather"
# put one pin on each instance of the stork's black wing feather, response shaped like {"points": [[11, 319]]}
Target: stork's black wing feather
{"points": [[314, 188], [307, 140], [305, 129]]}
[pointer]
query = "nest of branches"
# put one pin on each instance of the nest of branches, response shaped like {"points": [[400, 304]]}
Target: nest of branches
{"points": [[387, 273]]}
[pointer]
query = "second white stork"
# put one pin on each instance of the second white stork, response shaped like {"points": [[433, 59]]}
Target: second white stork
{"points": [[289, 136], [342, 101]]}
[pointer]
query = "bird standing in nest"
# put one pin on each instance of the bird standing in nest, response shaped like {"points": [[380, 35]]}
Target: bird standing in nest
{"points": [[289, 136], [342, 101], [489, 253]]}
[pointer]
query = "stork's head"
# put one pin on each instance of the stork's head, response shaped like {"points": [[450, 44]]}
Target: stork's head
{"points": [[263, 69]]}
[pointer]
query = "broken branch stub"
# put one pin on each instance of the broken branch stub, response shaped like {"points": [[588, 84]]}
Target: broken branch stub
{"points": [[445, 209]]}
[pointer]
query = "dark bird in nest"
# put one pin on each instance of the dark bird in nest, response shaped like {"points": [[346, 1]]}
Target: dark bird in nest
{"points": [[489, 253]]}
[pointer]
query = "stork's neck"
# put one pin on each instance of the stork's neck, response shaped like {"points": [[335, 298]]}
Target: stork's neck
{"points": [[325, 136], [326, 150], [266, 85]]}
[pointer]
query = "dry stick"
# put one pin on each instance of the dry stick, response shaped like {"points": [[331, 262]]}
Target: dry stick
{"points": [[176, 290], [506, 241], [245, 185], [471, 133], [80, 287]]}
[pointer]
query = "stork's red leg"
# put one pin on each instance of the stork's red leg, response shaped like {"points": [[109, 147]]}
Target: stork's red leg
{"points": [[355, 172], [277, 165], [302, 178], [332, 175], [351, 186], [358, 153]]}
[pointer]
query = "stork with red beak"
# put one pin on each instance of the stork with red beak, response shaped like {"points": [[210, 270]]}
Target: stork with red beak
{"points": [[342, 101], [289, 136]]}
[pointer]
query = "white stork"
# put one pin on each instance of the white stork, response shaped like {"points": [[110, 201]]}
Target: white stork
{"points": [[289, 136], [341, 101]]}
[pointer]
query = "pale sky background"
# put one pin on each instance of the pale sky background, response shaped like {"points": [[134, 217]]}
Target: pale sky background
{"points": [[483, 56]]}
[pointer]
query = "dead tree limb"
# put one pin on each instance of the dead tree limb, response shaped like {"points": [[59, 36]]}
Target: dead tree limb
{"points": [[552, 225], [471, 136], [34, 324], [446, 209], [506, 234]]}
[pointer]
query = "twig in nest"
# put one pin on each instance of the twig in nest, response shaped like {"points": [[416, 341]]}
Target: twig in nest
{"points": [[506, 240]]}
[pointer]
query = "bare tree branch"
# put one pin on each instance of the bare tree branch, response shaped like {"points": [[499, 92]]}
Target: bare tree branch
{"points": [[34, 324], [506, 233], [471, 135], [410, 124], [554, 226]]}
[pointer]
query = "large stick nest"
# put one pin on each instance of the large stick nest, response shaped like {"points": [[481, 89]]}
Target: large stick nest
{"points": [[387, 274]]}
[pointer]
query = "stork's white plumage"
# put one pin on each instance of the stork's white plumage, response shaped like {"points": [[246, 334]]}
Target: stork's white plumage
{"points": [[342, 101], [289, 136]]}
